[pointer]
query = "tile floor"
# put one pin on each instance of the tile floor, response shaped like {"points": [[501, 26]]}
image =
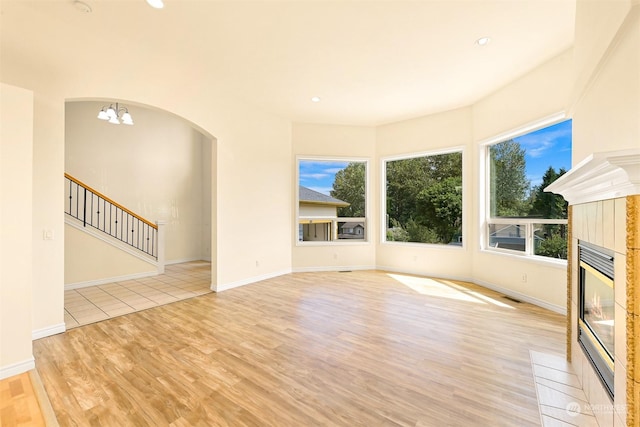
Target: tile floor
{"points": [[560, 397], [92, 304]]}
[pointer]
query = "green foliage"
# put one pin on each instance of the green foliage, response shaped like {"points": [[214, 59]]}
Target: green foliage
{"points": [[424, 198], [396, 233], [509, 183], [440, 207], [548, 205], [349, 186], [420, 233], [554, 247]]}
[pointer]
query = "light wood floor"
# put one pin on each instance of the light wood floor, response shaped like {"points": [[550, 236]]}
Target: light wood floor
{"points": [[307, 349], [18, 403]]}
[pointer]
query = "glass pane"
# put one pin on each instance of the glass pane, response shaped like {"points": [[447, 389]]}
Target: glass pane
{"points": [[522, 167], [351, 230], [599, 309], [550, 240], [424, 199], [508, 236], [332, 188]]}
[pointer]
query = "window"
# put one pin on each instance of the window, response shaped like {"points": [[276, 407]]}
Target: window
{"points": [[332, 200], [521, 217], [423, 198]]}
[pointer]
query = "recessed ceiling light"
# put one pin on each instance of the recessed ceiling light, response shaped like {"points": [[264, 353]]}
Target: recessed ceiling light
{"points": [[483, 41], [156, 4], [316, 99]]}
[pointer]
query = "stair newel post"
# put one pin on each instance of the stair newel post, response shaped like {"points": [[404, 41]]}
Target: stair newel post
{"points": [[161, 240]]}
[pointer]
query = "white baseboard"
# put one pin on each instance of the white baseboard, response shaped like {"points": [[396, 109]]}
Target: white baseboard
{"points": [[104, 281], [17, 368], [248, 281], [522, 297], [334, 268], [181, 261], [48, 331]]}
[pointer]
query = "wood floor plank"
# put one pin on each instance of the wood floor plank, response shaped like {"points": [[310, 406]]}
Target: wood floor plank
{"points": [[335, 349]]}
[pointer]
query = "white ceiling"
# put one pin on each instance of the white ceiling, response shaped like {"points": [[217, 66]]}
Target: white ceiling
{"points": [[371, 62]]}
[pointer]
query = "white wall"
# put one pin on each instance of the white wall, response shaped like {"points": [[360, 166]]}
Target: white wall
{"points": [[155, 168], [90, 260], [16, 231], [539, 94], [606, 117], [607, 112], [334, 141], [252, 167], [451, 129]]}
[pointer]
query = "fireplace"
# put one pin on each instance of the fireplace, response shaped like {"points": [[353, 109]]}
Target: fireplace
{"points": [[596, 327]]}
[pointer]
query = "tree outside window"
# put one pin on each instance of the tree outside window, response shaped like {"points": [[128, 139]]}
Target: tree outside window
{"points": [[424, 199], [522, 216]]}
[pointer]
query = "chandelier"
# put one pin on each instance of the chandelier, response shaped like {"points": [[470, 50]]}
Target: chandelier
{"points": [[112, 114]]}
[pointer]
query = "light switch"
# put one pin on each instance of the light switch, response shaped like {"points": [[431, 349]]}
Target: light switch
{"points": [[47, 234]]}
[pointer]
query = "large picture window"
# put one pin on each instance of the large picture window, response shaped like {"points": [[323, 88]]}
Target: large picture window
{"points": [[332, 200], [521, 216], [423, 198]]}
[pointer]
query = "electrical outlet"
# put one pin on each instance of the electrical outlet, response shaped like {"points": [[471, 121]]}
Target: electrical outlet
{"points": [[257, 263], [524, 278], [47, 235]]}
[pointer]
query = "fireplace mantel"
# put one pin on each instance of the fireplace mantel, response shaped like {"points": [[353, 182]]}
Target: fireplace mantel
{"points": [[601, 176]]}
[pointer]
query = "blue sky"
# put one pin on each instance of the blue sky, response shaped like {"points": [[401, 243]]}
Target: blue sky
{"points": [[546, 147], [318, 175]]}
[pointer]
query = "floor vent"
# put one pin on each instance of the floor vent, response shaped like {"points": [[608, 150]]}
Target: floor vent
{"points": [[512, 299], [344, 271]]}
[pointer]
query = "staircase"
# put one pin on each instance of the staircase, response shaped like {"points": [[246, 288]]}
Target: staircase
{"points": [[92, 210]]}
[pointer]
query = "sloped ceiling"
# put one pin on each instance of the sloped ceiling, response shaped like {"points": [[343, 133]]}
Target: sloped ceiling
{"points": [[371, 62]]}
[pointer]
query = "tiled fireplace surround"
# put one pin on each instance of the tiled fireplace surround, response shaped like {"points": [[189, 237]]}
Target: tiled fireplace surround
{"points": [[604, 209]]}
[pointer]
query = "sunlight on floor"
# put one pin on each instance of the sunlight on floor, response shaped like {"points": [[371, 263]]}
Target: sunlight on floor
{"points": [[445, 289]]}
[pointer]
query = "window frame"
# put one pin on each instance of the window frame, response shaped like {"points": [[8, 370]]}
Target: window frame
{"points": [[368, 205], [383, 197], [484, 201]]}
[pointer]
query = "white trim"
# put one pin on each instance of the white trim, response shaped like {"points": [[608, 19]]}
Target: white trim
{"points": [[368, 190], [521, 256], [247, 281], [524, 129], [601, 176], [181, 261], [75, 223], [484, 186], [333, 268], [414, 155], [383, 190], [48, 331], [434, 246], [106, 280], [17, 368], [522, 297]]}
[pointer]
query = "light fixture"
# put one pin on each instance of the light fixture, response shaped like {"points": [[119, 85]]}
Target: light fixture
{"points": [[315, 99], [156, 4], [112, 114], [483, 41]]}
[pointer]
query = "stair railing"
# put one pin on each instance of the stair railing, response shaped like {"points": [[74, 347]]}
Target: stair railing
{"points": [[96, 210]]}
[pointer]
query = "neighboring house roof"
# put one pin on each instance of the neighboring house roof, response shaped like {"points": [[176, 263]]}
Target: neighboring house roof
{"points": [[307, 195], [352, 225]]}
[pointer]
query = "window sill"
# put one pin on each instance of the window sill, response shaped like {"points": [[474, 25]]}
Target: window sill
{"points": [[540, 260], [424, 245], [333, 243]]}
